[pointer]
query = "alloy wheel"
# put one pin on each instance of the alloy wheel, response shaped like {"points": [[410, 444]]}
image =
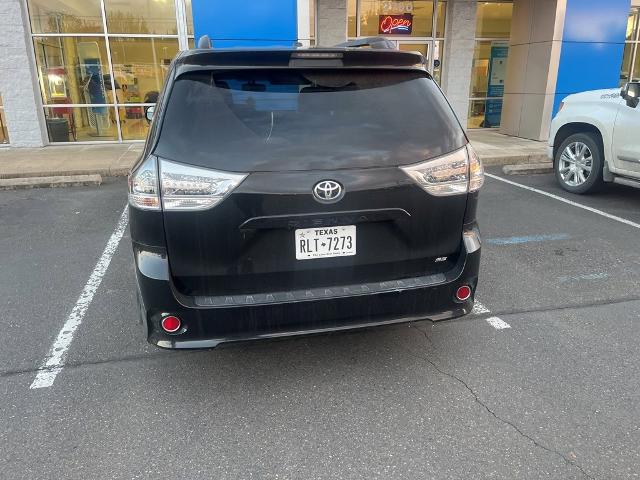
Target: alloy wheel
{"points": [[575, 164]]}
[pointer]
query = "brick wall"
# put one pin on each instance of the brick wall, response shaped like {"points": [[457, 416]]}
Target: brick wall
{"points": [[18, 80]]}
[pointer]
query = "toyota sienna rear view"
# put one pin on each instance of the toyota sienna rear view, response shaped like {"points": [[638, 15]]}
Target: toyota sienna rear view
{"points": [[292, 191]]}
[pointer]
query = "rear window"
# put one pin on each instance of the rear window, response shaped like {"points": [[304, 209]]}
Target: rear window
{"points": [[270, 120]]}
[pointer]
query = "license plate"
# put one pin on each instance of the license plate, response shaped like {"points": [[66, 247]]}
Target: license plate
{"points": [[325, 242]]}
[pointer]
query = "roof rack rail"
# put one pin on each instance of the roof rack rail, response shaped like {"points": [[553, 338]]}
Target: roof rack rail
{"points": [[380, 43]]}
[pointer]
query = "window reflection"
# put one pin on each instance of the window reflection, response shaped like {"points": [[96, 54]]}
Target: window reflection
{"points": [[493, 20], [81, 124], [65, 16], [140, 65], [73, 69], [141, 16]]}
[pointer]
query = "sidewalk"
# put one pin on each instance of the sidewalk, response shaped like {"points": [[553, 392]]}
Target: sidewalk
{"points": [[116, 159], [497, 149], [110, 160]]}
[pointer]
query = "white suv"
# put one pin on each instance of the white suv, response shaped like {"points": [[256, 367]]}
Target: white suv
{"points": [[595, 138]]}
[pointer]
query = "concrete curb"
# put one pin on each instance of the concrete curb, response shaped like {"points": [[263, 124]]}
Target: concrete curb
{"points": [[104, 172], [492, 160], [533, 168], [49, 181]]}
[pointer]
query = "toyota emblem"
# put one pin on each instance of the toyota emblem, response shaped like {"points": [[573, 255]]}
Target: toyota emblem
{"points": [[328, 191]]}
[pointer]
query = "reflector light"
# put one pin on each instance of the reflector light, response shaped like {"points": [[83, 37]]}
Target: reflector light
{"points": [[171, 324], [463, 293]]}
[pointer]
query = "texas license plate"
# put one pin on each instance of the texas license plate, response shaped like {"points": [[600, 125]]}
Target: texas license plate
{"points": [[325, 242]]}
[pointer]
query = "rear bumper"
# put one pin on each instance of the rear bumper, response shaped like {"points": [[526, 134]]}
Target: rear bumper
{"points": [[426, 298]]}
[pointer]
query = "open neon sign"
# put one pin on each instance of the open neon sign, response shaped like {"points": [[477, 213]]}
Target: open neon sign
{"points": [[395, 24]]}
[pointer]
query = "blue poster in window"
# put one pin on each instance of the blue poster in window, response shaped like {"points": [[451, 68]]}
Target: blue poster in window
{"points": [[95, 84], [495, 88]]}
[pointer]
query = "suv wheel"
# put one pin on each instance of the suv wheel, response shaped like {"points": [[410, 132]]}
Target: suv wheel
{"points": [[579, 163]]}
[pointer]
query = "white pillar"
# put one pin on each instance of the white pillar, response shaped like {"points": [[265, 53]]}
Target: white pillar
{"points": [[18, 79], [332, 22], [458, 54]]}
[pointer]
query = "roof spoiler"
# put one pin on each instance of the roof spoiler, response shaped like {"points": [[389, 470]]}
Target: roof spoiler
{"points": [[377, 43]]}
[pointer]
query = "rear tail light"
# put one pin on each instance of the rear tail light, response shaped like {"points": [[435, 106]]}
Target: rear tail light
{"points": [[193, 188], [476, 171], [452, 174], [143, 186], [182, 187]]}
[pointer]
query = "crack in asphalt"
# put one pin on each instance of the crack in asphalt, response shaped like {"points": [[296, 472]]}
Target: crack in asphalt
{"points": [[496, 416]]}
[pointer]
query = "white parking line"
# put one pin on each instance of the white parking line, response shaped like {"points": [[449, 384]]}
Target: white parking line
{"points": [[498, 323], [54, 362], [479, 309], [495, 322], [564, 200]]}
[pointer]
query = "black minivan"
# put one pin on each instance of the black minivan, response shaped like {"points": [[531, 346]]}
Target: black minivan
{"points": [[292, 191]]}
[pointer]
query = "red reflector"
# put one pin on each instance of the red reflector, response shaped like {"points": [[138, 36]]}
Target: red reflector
{"points": [[171, 324], [463, 293]]}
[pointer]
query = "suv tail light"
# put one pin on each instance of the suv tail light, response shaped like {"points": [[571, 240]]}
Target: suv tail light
{"points": [[182, 187], [193, 188], [143, 186], [452, 174]]}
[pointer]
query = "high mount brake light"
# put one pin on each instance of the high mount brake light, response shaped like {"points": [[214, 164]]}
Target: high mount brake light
{"points": [[452, 174]]}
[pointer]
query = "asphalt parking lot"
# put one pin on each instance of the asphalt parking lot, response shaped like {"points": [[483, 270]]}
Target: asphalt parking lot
{"points": [[542, 382]]}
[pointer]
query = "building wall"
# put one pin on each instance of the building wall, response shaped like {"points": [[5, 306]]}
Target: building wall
{"points": [[18, 79], [246, 22], [559, 47], [594, 34], [534, 53], [332, 22], [458, 54]]}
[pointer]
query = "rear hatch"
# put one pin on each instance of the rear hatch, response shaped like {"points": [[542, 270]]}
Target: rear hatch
{"points": [[286, 131]]}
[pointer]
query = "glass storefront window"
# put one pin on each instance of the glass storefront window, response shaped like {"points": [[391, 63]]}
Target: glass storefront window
{"points": [[369, 14], [493, 19], [140, 65], [81, 124], [480, 69], [82, 102], [631, 59], [351, 18], [73, 70], [141, 16], [312, 21], [421, 12], [189, 14], [632, 24], [627, 59], [440, 19], [133, 124], [4, 135], [489, 67], [65, 16]]}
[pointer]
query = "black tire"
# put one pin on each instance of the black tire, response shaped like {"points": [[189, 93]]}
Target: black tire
{"points": [[594, 179]]}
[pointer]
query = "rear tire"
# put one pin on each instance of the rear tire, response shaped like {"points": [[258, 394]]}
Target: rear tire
{"points": [[579, 163]]}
